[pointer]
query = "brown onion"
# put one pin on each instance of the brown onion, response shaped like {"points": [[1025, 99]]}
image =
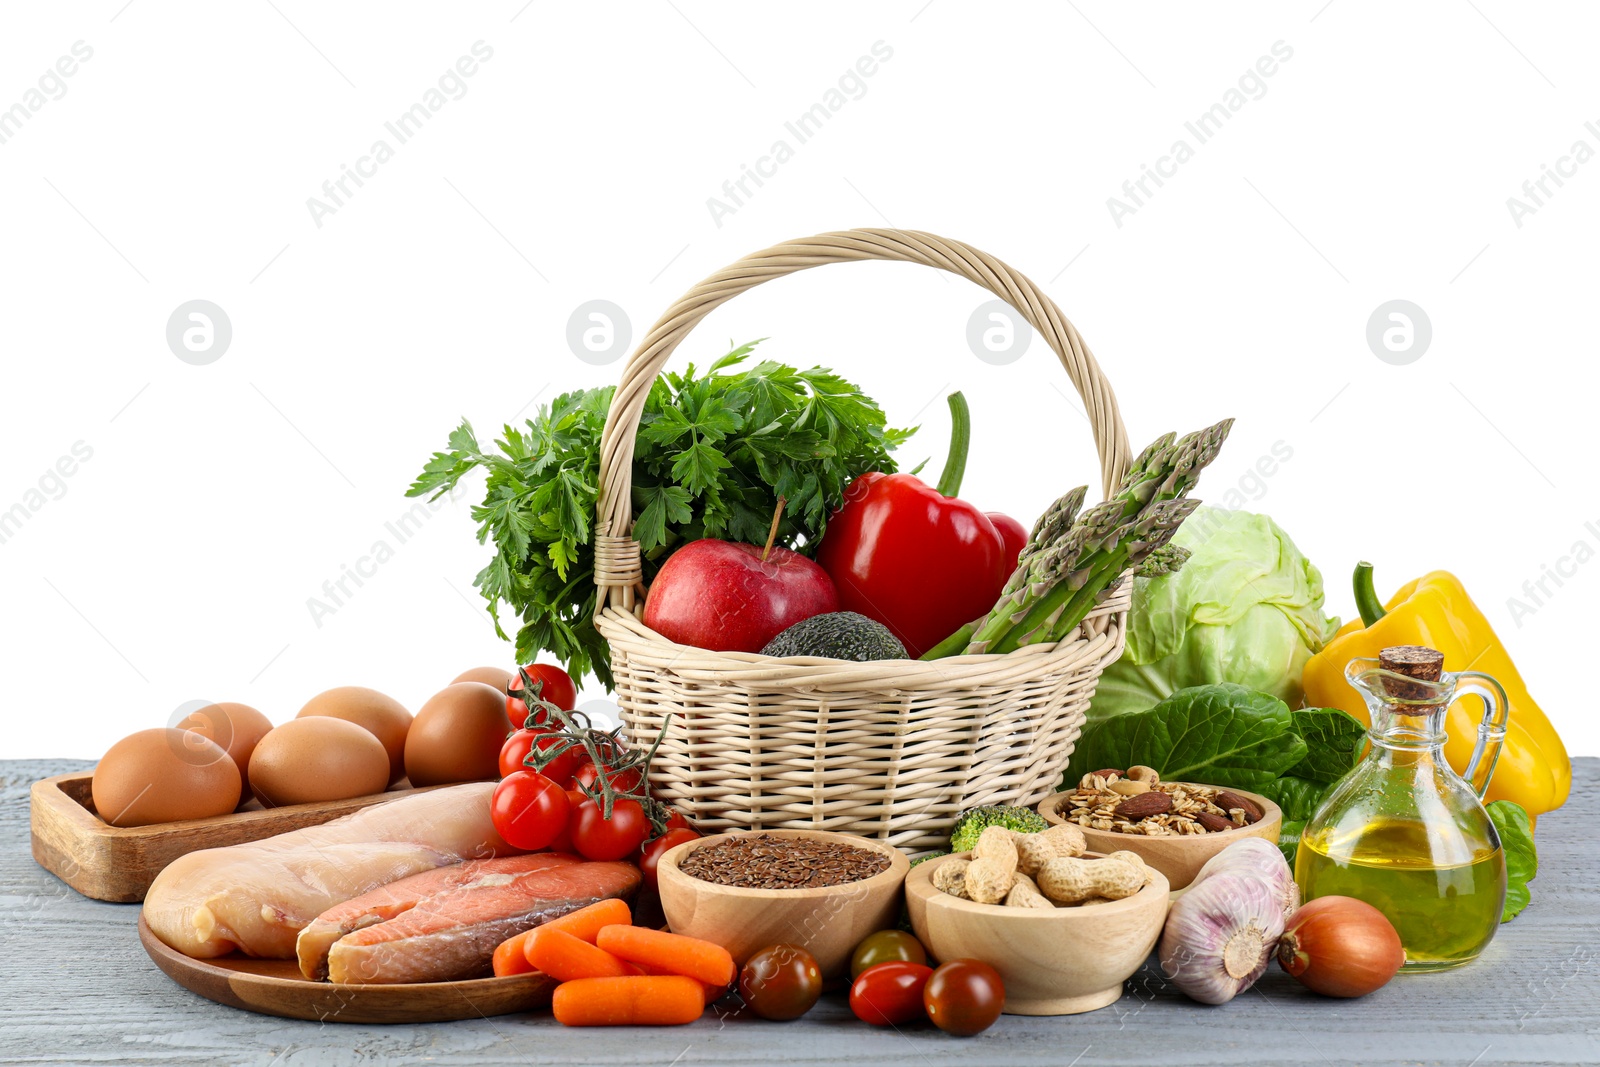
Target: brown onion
{"points": [[1340, 947]]}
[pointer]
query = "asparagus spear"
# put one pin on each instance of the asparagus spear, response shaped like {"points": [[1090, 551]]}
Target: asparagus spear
{"points": [[1065, 570]]}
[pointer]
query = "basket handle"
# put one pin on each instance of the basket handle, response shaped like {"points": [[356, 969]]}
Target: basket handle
{"points": [[618, 572]]}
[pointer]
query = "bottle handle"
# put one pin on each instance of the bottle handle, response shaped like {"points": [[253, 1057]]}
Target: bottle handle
{"points": [[1491, 728]]}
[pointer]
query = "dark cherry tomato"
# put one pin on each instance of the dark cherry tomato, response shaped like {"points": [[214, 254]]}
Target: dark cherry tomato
{"points": [[964, 997], [528, 810], [599, 838], [558, 689], [650, 855], [780, 982], [886, 946], [889, 994]]}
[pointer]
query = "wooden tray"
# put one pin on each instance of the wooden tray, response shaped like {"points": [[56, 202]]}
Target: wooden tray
{"points": [[276, 987], [118, 863]]}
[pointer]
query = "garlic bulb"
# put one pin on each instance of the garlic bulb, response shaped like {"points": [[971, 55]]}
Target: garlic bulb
{"points": [[1262, 859], [1221, 934]]}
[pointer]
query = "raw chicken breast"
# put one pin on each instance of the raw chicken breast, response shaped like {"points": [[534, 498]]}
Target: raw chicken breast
{"points": [[257, 897], [445, 924]]}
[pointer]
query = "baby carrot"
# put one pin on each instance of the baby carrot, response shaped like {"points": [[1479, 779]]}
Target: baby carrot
{"points": [[632, 1001], [562, 956], [689, 956], [713, 992], [585, 923], [510, 956]]}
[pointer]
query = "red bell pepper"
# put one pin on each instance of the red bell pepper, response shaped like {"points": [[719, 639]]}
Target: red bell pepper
{"points": [[913, 556]]}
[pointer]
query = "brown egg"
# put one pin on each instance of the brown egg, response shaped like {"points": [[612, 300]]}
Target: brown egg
{"points": [[164, 775], [236, 727], [457, 735], [317, 758], [382, 716], [498, 677]]}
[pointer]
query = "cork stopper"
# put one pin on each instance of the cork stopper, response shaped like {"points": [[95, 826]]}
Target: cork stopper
{"points": [[1413, 661]]}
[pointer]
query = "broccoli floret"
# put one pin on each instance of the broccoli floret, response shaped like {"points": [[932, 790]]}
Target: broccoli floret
{"points": [[973, 821], [930, 856]]}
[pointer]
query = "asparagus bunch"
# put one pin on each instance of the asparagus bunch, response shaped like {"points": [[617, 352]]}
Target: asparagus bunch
{"points": [[1071, 560]]}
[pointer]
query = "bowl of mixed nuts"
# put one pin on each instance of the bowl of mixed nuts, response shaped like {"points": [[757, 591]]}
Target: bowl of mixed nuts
{"points": [[1173, 826]]}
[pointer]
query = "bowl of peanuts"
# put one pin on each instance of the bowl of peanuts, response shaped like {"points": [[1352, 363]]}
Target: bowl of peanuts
{"points": [[1174, 827], [1064, 926]]}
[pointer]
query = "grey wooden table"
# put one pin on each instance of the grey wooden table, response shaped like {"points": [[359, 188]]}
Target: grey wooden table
{"points": [[78, 989]]}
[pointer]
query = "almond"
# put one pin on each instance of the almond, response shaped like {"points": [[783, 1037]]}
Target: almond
{"points": [[1228, 801], [1107, 773], [1214, 823], [1143, 805]]}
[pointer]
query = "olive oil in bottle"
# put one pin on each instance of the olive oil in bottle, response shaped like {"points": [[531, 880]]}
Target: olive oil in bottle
{"points": [[1445, 915], [1403, 831]]}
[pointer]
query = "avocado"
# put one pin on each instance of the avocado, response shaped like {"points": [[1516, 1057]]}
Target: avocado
{"points": [[837, 635]]}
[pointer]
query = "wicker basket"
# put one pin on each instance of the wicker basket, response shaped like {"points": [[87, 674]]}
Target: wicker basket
{"points": [[889, 749]]}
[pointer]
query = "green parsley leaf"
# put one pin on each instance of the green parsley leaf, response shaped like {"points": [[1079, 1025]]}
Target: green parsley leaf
{"points": [[713, 454]]}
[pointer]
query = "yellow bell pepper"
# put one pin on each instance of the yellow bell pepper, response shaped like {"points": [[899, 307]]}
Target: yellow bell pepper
{"points": [[1435, 611]]}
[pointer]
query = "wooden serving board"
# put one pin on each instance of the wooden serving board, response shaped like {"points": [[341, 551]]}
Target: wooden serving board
{"points": [[276, 987], [118, 863]]}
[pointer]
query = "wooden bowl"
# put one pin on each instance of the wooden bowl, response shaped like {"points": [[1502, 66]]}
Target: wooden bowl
{"points": [[827, 922], [1058, 962], [1179, 858]]}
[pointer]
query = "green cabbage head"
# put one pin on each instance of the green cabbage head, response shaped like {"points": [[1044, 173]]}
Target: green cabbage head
{"points": [[1245, 608]]}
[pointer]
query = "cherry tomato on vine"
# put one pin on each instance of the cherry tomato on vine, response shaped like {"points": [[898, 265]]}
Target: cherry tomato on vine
{"points": [[889, 994], [528, 810], [558, 689], [627, 781], [964, 997], [780, 982], [886, 946], [599, 838], [515, 750], [676, 820], [561, 769], [650, 857]]}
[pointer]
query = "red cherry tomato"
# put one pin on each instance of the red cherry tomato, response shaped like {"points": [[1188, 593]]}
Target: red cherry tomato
{"points": [[561, 769], [964, 997], [515, 750], [650, 855], [1014, 535], [528, 810], [889, 994], [676, 820], [558, 688], [781, 982], [627, 781], [599, 838]]}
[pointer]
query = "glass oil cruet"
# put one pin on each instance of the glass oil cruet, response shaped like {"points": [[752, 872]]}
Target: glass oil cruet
{"points": [[1402, 830]]}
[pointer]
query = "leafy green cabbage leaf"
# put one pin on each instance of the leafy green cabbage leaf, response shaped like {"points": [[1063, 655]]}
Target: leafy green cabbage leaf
{"points": [[1245, 608]]}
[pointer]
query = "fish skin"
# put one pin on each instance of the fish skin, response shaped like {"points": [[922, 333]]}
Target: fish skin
{"points": [[255, 898], [395, 898], [453, 934]]}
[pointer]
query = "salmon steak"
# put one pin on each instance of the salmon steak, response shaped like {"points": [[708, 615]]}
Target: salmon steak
{"points": [[444, 924]]}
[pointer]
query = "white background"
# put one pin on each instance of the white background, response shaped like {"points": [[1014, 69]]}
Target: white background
{"points": [[177, 562]]}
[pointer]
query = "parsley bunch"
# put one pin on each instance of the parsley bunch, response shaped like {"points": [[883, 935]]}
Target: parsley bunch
{"points": [[713, 455]]}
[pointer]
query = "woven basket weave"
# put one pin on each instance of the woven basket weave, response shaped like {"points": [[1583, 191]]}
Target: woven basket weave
{"points": [[889, 749]]}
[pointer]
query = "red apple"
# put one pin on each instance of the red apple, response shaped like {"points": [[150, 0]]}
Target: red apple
{"points": [[723, 596]]}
